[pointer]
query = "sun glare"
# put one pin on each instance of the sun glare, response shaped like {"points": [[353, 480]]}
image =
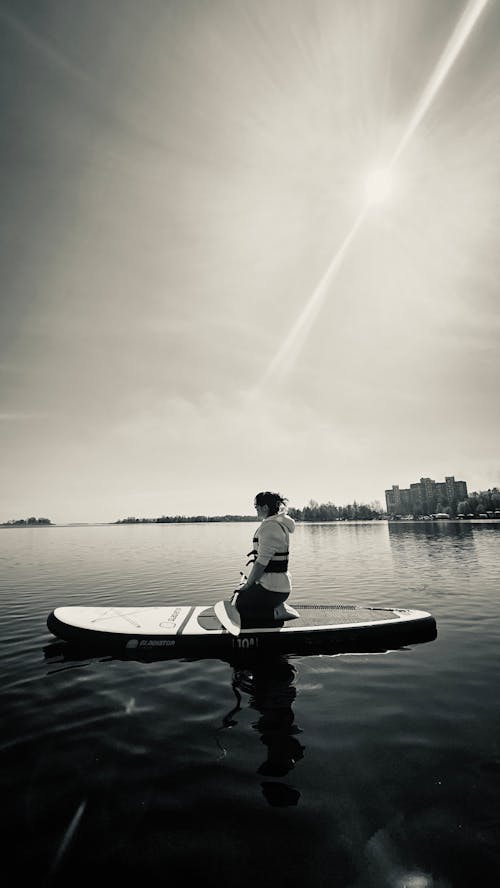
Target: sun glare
{"points": [[378, 186]]}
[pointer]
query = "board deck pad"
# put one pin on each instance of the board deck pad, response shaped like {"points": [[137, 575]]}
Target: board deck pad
{"points": [[315, 615]]}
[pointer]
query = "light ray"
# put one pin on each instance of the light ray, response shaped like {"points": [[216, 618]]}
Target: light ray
{"points": [[298, 333], [44, 47], [305, 320], [455, 44], [67, 838]]}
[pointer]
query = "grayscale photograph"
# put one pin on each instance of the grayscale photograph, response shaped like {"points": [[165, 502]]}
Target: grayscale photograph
{"points": [[249, 442]]}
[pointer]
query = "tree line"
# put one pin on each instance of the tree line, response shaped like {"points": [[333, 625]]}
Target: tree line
{"points": [[480, 503], [185, 519], [330, 512], [312, 512], [477, 503], [26, 522]]}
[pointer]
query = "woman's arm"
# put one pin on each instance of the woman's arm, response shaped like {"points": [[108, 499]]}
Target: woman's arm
{"points": [[254, 576]]}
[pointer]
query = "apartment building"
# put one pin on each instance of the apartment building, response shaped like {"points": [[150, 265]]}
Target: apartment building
{"points": [[424, 496]]}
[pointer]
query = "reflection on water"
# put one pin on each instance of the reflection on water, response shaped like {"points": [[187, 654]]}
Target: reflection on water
{"points": [[269, 685], [431, 529], [455, 539]]}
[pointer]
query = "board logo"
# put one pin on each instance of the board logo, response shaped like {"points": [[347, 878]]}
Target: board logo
{"points": [[172, 619], [134, 643], [157, 642]]}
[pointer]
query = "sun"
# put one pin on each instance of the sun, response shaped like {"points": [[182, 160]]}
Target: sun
{"points": [[379, 185]]}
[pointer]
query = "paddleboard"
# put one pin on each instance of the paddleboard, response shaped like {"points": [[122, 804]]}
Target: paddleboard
{"points": [[186, 630]]}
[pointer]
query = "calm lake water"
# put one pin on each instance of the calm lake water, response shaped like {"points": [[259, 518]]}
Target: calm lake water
{"points": [[353, 770]]}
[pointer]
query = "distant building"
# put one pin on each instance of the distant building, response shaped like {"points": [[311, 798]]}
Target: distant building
{"points": [[424, 496]]}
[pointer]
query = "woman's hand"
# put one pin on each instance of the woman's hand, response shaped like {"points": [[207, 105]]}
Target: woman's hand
{"points": [[254, 576]]}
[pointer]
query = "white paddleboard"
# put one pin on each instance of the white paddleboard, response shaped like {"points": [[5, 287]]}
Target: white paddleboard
{"points": [[186, 629]]}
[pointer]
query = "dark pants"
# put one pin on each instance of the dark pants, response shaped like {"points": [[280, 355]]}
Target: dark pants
{"points": [[256, 606]]}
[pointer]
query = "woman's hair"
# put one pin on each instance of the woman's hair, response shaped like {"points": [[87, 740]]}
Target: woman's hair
{"points": [[273, 501]]}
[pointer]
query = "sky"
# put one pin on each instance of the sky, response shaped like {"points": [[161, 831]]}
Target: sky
{"points": [[201, 297]]}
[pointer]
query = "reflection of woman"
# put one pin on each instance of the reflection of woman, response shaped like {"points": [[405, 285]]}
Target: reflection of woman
{"points": [[272, 695], [269, 683], [269, 582]]}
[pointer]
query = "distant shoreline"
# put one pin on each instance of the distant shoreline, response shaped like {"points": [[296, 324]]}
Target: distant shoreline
{"points": [[404, 521]]}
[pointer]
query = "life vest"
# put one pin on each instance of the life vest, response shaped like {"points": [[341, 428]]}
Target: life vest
{"points": [[279, 561]]}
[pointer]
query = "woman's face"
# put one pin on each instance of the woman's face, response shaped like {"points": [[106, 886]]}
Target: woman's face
{"points": [[262, 511]]}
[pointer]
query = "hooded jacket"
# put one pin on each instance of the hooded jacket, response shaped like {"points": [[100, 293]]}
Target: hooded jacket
{"points": [[271, 543]]}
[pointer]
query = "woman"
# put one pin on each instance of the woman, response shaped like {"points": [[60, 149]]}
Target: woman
{"points": [[269, 582]]}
